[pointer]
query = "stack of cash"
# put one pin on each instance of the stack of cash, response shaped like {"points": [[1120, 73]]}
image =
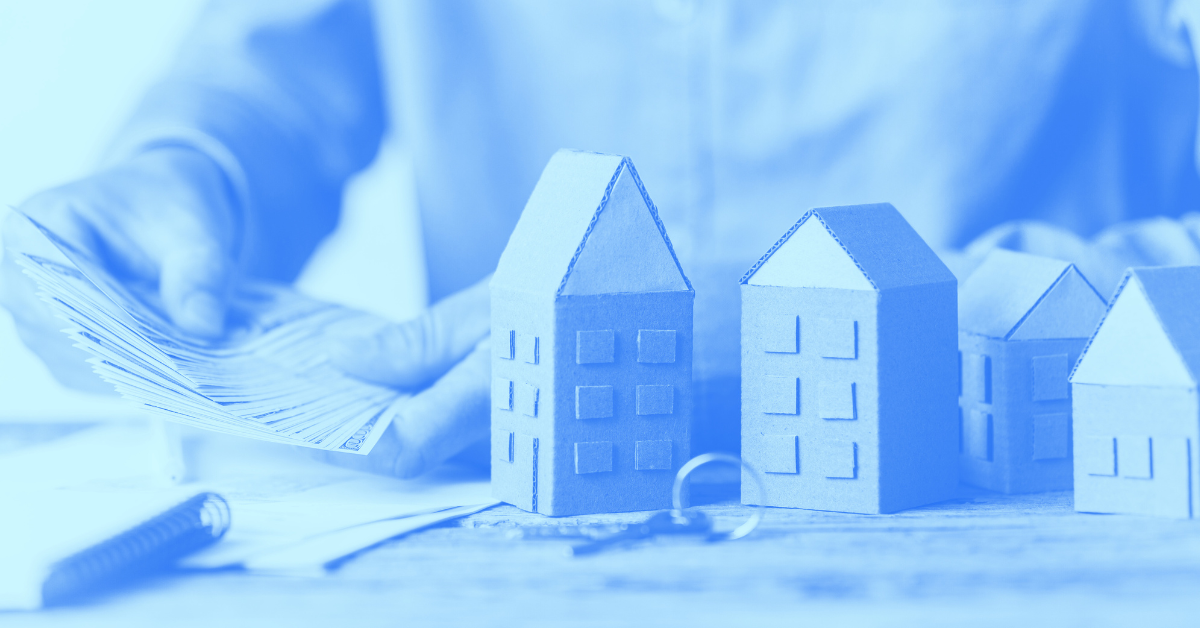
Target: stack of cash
{"points": [[269, 378]]}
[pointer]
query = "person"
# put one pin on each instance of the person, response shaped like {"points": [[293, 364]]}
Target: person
{"points": [[1062, 128]]}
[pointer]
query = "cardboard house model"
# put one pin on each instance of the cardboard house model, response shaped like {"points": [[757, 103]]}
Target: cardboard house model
{"points": [[1023, 321], [592, 336], [1137, 414], [849, 358]]}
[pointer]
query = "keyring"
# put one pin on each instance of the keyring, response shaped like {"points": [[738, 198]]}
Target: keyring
{"points": [[677, 493]]}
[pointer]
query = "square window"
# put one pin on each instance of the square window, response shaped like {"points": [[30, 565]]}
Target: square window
{"points": [[780, 334], [841, 461], [593, 457], [1051, 436], [502, 393], [655, 399], [977, 435], [1096, 455], [977, 377], [656, 346], [836, 338], [652, 455], [502, 445], [503, 343], [780, 395], [593, 402], [1134, 457], [1050, 377], [526, 399], [779, 454], [527, 348], [836, 401], [594, 347]]}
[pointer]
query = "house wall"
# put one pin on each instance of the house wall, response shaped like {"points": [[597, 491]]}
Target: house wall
{"points": [[809, 461], [918, 363], [521, 317], [666, 409], [1136, 449], [1030, 413]]}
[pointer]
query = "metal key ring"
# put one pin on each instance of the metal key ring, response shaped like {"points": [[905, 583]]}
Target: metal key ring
{"points": [[677, 492]]}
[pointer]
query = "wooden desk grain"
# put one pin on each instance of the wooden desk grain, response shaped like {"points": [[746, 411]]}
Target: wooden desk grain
{"points": [[984, 560]]}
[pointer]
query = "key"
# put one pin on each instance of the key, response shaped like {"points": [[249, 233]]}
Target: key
{"points": [[665, 522]]}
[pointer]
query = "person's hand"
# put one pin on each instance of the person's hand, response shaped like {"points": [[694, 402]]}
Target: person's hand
{"points": [[444, 358], [165, 216]]}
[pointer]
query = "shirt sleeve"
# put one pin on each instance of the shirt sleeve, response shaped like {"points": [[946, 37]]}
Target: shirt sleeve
{"points": [[286, 97]]}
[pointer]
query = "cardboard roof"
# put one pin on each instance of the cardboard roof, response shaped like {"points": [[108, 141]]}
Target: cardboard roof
{"points": [[1150, 334], [1017, 296], [589, 227], [886, 250]]}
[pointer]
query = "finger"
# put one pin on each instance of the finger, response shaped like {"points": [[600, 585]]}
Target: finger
{"points": [[194, 284], [412, 354]]}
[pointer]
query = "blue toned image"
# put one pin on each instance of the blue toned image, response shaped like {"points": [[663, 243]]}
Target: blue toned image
{"points": [[359, 312]]}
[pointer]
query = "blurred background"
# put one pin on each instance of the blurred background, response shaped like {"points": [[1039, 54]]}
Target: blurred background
{"points": [[71, 71]]}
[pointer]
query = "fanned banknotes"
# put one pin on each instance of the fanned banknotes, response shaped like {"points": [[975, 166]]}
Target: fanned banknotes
{"points": [[269, 378]]}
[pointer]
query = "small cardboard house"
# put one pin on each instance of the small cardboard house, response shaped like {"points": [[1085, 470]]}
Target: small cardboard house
{"points": [[592, 336], [1023, 321], [849, 354], [1136, 410]]}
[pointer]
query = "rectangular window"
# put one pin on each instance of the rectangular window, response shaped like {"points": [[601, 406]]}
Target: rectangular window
{"points": [[987, 379], [593, 457], [655, 399], [593, 402], [1096, 455], [502, 445], [1051, 436], [780, 395], [842, 461], [1050, 377], [504, 340], [837, 400], [502, 393], [779, 454], [656, 346], [836, 338], [526, 398], [780, 334], [595, 347], [1135, 457], [527, 348], [977, 435], [652, 455]]}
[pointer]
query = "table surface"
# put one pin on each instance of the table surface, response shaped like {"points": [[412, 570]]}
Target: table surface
{"points": [[981, 560]]}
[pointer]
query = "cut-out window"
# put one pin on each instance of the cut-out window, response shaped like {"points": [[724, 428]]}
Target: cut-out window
{"points": [[780, 334], [655, 399], [652, 455], [656, 346], [1097, 455], [977, 435], [836, 337], [593, 402], [1050, 377], [526, 398], [841, 460], [1051, 436], [780, 395], [503, 445], [987, 379], [1135, 457], [504, 341], [594, 457], [527, 348], [837, 400], [502, 393], [779, 454], [595, 347]]}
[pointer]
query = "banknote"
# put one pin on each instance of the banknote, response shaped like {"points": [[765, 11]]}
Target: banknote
{"points": [[268, 378]]}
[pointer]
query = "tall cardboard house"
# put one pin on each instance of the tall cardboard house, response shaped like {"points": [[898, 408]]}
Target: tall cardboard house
{"points": [[592, 337], [849, 364], [1023, 321], [1136, 410]]}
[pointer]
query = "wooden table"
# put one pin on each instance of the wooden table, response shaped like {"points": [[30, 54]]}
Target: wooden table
{"points": [[982, 560]]}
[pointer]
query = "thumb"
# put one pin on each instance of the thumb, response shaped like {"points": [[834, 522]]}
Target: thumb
{"points": [[413, 354], [194, 283]]}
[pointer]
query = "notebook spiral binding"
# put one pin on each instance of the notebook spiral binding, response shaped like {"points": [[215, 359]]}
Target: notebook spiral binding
{"points": [[142, 550]]}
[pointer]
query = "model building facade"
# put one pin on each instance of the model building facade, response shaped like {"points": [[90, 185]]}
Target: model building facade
{"points": [[1023, 321], [592, 335], [1136, 411], [849, 358]]}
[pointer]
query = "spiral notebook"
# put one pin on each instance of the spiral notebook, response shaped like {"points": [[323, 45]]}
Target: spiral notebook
{"points": [[57, 547]]}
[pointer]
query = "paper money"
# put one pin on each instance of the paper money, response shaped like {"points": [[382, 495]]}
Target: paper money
{"points": [[269, 378]]}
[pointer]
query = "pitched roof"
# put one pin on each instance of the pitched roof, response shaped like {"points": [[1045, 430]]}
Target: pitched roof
{"points": [[589, 227], [1015, 294], [879, 241], [1172, 294]]}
